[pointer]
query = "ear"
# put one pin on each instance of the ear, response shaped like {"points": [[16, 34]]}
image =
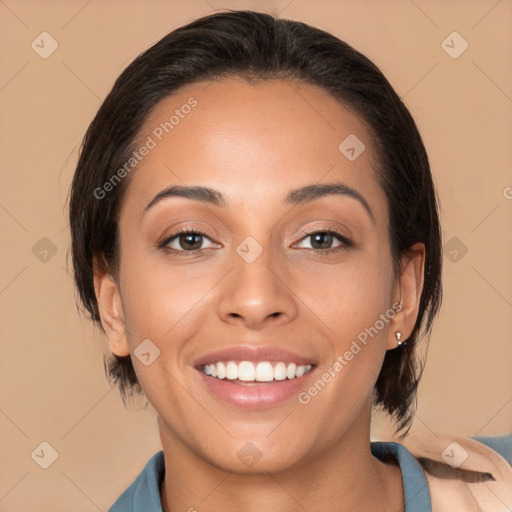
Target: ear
{"points": [[110, 309], [408, 287]]}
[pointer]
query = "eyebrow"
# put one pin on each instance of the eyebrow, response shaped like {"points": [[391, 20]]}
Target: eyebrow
{"points": [[294, 197]]}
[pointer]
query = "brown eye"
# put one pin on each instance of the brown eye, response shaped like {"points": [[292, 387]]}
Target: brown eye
{"points": [[190, 241], [324, 240], [185, 241], [321, 240]]}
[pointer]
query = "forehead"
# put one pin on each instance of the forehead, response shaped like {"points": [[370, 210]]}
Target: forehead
{"points": [[253, 140]]}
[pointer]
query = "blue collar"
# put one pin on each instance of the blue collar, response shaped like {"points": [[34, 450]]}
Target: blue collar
{"points": [[143, 495], [416, 490]]}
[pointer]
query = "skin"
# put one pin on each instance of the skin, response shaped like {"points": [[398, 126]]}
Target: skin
{"points": [[255, 142]]}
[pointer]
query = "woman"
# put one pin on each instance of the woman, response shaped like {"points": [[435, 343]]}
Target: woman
{"points": [[255, 227]]}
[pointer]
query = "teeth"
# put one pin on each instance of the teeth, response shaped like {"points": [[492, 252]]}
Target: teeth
{"points": [[221, 371], [231, 370], [246, 371], [249, 372], [299, 373], [264, 372], [291, 370], [280, 371]]}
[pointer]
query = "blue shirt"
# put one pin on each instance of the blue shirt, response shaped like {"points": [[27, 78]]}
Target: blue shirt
{"points": [[143, 495]]}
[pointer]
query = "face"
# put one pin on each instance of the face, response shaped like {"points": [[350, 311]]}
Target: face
{"points": [[268, 283]]}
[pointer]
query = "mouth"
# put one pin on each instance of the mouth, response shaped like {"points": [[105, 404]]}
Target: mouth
{"points": [[253, 373], [254, 378]]}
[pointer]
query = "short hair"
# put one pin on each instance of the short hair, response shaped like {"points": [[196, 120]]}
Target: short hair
{"points": [[253, 45]]}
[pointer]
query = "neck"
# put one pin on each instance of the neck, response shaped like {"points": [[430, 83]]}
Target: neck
{"points": [[345, 477]]}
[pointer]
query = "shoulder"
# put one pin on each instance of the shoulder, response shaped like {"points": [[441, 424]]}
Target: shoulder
{"points": [[143, 494], [464, 473]]}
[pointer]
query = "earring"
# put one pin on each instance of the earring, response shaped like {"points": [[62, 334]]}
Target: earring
{"points": [[398, 335]]}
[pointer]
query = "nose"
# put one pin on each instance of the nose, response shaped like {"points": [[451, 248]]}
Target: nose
{"points": [[257, 294]]}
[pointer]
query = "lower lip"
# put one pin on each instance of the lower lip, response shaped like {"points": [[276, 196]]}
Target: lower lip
{"points": [[259, 396]]}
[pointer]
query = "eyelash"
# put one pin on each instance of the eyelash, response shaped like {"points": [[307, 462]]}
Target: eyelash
{"points": [[345, 242]]}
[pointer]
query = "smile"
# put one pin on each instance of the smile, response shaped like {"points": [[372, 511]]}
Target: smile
{"points": [[248, 371], [253, 377]]}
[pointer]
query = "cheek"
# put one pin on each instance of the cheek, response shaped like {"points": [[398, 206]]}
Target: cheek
{"points": [[354, 302], [161, 299], [165, 298], [348, 297], [167, 307]]}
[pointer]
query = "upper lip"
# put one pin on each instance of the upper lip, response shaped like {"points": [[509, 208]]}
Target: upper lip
{"points": [[253, 354]]}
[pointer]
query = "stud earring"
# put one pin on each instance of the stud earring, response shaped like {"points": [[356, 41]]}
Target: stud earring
{"points": [[398, 335]]}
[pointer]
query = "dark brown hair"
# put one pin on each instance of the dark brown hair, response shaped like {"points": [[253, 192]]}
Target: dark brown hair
{"points": [[254, 45]]}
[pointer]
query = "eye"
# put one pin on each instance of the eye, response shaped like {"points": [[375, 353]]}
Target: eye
{"points": [[185, 240], [189, 241], [323, 240]]}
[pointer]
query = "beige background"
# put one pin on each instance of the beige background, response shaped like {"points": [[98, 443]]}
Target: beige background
{"points": [[53, 386]]}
